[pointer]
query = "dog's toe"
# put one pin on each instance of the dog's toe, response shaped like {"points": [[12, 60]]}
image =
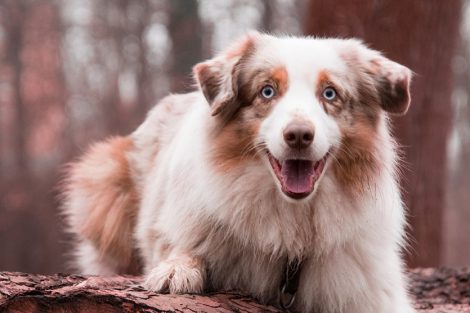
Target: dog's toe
{"points": [[176, 278]]}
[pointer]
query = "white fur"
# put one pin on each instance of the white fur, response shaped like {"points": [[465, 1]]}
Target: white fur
{"points": [[240, 228]]}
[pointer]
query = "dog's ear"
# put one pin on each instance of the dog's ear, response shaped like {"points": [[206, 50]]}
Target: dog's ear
{"points": [[217, 77], [389, 79], [392, 81]]}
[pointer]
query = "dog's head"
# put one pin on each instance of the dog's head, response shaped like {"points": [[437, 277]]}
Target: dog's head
{"points": [[299, 104]]}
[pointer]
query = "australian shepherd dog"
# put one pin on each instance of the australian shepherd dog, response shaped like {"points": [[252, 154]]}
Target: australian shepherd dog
{"points": [[277, 177]]}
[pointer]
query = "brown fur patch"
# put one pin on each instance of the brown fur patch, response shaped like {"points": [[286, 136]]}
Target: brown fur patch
{"points": [[394, 94], [357, 115], [234, 142], [254, 77], [356, 161], [393, 91], [101, 183], [209, 80], [281, 78], [395, 97], [324, 80], [211, 75], [234, 145]]}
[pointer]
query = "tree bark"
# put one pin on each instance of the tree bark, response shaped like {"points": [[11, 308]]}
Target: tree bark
{"points": [[75, 293], [422, 36], [434, 290]]}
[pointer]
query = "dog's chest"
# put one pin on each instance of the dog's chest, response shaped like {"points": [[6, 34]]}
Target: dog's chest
{"points": [[233, 266], [236, 260]]}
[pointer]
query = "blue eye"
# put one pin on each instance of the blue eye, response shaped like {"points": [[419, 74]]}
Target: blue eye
{"points": [[268, 92], [329, 93]]}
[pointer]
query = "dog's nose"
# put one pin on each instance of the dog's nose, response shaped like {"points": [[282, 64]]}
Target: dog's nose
{"points": [[299, 136]]}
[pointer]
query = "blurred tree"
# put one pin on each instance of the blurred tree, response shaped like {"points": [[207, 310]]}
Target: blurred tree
{"points": [[32, 88], [186, 35], [457, 217], [13, 16], [422, 36]]}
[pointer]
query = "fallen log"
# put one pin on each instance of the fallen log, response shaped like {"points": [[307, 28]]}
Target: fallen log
{"points": [[441, 290], [434, 291]]}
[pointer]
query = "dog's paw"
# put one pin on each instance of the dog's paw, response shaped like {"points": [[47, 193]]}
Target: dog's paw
{"points": [[176, 276]]}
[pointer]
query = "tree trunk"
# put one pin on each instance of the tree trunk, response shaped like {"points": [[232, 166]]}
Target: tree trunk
{"points": [[422, 36], [186, 35], [435, 291], [15, 12], [457, 216]]}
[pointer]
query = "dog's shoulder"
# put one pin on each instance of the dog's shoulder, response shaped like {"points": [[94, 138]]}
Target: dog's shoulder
{"points": [[164, 116], [159, 128]]}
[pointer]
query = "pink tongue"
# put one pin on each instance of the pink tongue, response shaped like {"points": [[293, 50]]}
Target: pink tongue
{"points": [[297, 175]]}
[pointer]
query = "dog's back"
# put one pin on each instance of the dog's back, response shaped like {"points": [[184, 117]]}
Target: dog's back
{"points": [[102, 191]]}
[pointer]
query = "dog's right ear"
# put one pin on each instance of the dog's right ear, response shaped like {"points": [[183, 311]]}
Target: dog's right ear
{"points": [[217, 78]]}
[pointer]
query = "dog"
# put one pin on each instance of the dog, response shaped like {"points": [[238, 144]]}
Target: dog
{"points": [[277, 177]]}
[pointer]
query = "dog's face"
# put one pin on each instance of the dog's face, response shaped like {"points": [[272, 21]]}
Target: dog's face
{"points": [[300, 105]]}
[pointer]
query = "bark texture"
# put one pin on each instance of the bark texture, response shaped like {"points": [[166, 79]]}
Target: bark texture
{"points": [[434, 290]]}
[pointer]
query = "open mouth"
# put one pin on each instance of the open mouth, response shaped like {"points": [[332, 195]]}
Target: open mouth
{"points": [[297, 177]]}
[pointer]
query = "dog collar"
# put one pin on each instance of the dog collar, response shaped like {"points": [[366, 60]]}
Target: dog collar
{"points": [[289, 283]]}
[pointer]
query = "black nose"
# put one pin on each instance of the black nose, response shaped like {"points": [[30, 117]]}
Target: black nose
{"points": [[299, 135]]}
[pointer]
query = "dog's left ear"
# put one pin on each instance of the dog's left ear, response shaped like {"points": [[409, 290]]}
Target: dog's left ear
{"points": [[389, 79], [217, 78], [392, 81]]}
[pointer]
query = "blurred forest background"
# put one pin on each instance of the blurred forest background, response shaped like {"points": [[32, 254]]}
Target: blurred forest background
{"points": [[76, 71]]}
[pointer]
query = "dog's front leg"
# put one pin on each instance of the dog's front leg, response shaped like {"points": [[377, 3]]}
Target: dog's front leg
{"points": [[179, 273], [354, 282]]}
